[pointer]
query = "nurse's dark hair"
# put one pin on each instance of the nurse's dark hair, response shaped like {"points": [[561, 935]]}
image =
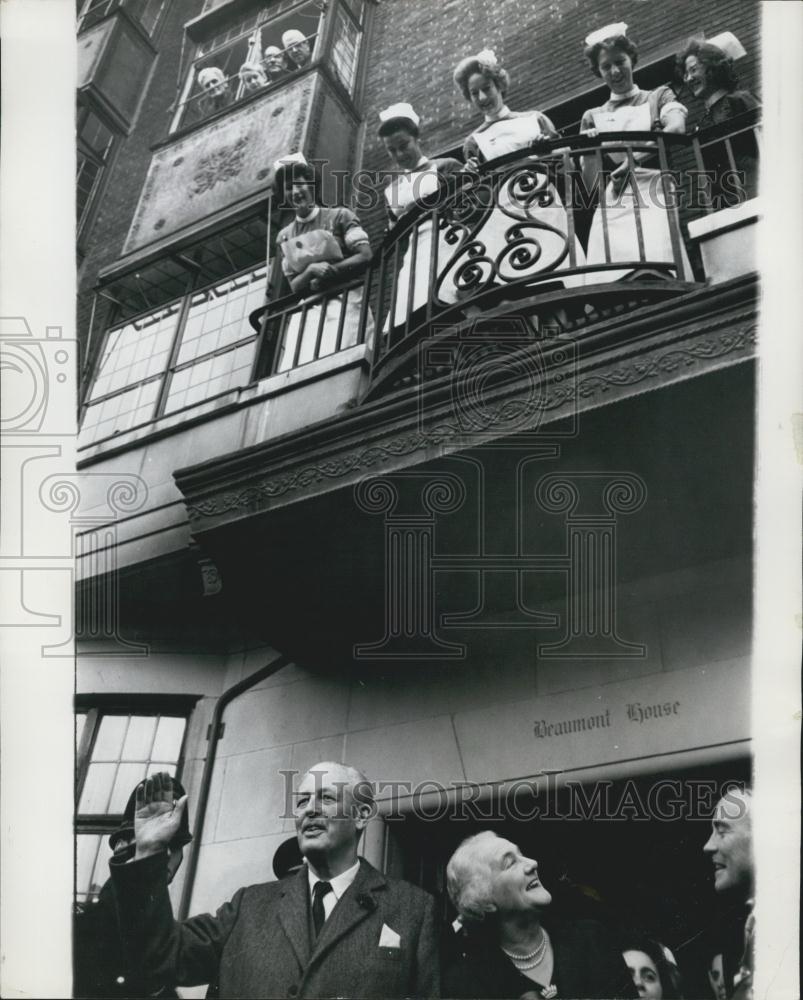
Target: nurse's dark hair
{"points": [[399, 125], [618, 43], [719, 71], [668, 972]]}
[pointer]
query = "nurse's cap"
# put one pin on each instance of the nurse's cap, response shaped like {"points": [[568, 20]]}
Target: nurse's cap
{"points": [[292, 37], [614, 30], [728, 43], [292, 169], [401, 110], [290, 160]]}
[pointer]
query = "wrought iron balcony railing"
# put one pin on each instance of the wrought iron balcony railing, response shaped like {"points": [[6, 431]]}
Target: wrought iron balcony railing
{"points": [[558, 232]]}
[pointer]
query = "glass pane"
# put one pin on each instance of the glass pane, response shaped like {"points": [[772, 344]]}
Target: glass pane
{"points": [[109, 741], [118, 413], [97, 788], [100, 873], [218, 316], [86, 852], [139, 738], [80, 721], [169, 735], [136, 350], [211, 376], [128, 777]]}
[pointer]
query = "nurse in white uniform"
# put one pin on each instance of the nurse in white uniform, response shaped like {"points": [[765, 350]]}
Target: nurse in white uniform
{"points": [[612, 56], [540, 211], [418, 177]]}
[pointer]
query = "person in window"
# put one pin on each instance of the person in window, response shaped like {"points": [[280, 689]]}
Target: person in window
{"points": [[215, 90], [526, 231], [273, 63], [100, 968], [706, 68], [418, 177], [612, 56], [654, 971], [513, 947], [252, 78], [321, 248], [297, 48]]}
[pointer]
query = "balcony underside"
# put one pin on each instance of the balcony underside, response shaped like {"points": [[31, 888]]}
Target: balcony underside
{"points": [[529, 386]]}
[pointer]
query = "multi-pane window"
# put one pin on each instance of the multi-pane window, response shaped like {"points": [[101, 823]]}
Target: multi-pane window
{"points": [[232, 64], [116, 750], [345, 48], [176, 356], [147, 12], [95, 142]]}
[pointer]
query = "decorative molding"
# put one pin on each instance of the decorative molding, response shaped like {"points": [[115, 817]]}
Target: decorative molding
{"points": [[219, 166], [558, 392]]}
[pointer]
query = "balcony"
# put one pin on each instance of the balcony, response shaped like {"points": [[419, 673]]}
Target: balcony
{"points": [[194, 358], [522, 239]]}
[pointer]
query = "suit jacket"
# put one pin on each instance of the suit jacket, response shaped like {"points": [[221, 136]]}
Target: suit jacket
{"points": [[588, 965], [258, 944]]}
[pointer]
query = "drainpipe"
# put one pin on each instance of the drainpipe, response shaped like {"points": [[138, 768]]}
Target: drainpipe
{"points": [[206, 779]]}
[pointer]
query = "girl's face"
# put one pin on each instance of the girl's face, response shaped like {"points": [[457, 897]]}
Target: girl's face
{"points": [[645, 975], [616, 70], [484, 94], [695, 76], [402, 148]]}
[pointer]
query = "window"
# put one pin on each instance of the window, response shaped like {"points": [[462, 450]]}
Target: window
{"points": [[95, 143], [178, 355], [345, 47], [146, 12], [215, 81], [118, 746]]}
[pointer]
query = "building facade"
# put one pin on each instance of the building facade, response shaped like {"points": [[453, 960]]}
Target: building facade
{"points": [[498, 552]]}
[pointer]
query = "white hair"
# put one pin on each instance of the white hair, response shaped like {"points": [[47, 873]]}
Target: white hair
{"points": [[469, 878]]}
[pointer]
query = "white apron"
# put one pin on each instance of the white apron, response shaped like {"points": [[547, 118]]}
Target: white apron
{"points": [[512, 206], [620, 211], [402, 194], [300, 251]]}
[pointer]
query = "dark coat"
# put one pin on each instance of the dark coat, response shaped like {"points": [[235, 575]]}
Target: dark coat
{"points": [[258, 944], [99, 964], [588, 965]]}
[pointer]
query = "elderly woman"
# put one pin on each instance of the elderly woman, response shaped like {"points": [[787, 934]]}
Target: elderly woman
{"points": [[321, 248], [527, 232], [706, 68], [640, 198], [515, 949], [215, 93], [418, 177], [654, 971]]}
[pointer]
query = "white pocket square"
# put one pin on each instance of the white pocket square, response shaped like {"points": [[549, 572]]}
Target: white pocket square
{"points": [[389, 938]]}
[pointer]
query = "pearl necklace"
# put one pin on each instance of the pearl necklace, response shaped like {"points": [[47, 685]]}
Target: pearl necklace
{"points": [[523, 961]]}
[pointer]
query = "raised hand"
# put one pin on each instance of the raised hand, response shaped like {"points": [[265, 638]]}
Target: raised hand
{"points": [[157, 815]]}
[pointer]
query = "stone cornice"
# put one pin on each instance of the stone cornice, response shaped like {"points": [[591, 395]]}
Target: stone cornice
{"points": [[704, 331]]}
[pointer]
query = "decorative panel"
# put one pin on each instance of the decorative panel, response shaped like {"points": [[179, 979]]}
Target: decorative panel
{"points": [[217, 167]]}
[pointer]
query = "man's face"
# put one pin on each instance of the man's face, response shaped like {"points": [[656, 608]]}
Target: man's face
{"points": [[730, 845], [299, 53], [328, 819]]}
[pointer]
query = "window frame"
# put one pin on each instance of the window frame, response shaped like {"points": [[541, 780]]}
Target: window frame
{"points": [[111, 8], [166, 374], [84, 222]]}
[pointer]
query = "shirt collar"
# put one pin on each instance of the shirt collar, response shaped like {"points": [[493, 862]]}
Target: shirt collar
{"points": [[503, 112], [311, 217], [339, 883], [713, 98], [624, 97]]}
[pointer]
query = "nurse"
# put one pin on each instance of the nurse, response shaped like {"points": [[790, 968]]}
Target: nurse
{"points": [[418, 177], [527, 232], [612, 57], [321, 248]]}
